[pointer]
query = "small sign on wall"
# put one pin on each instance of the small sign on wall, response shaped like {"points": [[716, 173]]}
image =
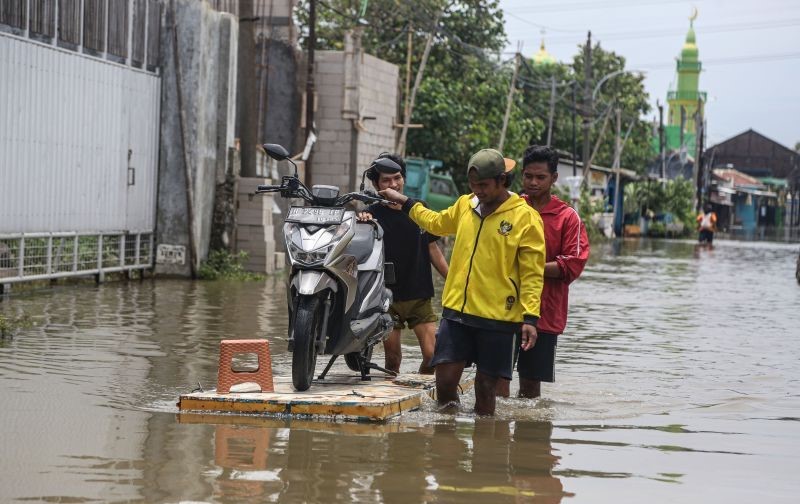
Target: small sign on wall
{"points": [[171, 254]]}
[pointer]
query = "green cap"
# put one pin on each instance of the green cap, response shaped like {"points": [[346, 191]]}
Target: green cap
{"points": [[489, 163]]}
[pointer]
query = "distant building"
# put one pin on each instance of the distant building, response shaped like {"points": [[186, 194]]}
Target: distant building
{"points": [[769, 166]]}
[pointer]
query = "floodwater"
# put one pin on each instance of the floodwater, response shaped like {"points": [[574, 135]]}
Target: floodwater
{"points": [[678, 380]]}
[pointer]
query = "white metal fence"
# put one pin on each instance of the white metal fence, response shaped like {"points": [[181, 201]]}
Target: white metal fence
{"points": [[40, 256], [79, 135]]}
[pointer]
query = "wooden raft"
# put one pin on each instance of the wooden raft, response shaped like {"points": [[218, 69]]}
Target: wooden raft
{"points": [[342, 397]]}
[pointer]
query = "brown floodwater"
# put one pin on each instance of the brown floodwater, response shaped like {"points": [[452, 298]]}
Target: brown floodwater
{"points": [[678, 380]]}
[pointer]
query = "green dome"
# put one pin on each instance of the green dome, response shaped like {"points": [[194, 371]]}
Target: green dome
{"points": [[543, 57], [689, 50]]}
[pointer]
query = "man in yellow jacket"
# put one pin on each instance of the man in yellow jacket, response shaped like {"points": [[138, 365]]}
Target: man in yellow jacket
{"points": [[496, 274]]}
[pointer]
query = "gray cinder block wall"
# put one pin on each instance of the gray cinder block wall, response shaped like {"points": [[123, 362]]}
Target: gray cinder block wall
{"points": [[354, 128], [207, 59]]}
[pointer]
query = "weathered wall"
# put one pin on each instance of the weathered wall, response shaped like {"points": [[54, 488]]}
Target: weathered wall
{"points": [[353, 126], [378, 98], [332, 150], [207, 49]]}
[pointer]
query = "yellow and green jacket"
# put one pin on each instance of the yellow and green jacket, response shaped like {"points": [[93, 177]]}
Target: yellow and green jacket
{"points": [[497, 264]]}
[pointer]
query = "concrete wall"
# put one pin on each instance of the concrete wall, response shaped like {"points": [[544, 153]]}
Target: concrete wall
{"points": [[207, 49], [254, 231], [354, 125], [379, 99]]}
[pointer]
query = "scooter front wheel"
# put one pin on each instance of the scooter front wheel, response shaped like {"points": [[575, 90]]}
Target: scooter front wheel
{"points": [[307, 325]]}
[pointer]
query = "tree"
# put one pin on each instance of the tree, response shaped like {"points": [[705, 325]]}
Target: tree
{"points": [[462, 97]]}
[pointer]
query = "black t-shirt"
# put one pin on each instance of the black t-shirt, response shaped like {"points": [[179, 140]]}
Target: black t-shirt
{"points": [[406, 245]]}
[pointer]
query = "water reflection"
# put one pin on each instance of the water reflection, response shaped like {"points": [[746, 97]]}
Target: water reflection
{"points": [[257, 460], [677, 377]]}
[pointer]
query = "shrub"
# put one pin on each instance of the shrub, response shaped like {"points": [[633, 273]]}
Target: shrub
{"points": [[223, 265]]}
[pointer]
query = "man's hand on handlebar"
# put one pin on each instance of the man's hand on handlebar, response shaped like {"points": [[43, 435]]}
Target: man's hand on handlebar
{"points": [[364, 216]]}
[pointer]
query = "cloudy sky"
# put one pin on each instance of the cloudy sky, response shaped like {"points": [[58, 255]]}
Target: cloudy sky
{"points": [[750, 51]]}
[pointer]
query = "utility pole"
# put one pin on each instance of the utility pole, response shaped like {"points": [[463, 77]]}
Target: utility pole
{"points": [[406, 110], [310, 90], [588, 106], [683, 127], [510, 99], [552, 109], [661, 143], [401, 143], [617, 155], [574, 138], [698, 153]]}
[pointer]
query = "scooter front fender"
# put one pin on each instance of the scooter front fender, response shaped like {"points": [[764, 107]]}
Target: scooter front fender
{"points": [[310, 282]]}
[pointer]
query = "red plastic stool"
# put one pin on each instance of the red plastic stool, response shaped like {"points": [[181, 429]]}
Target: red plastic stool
{"points": [[227, 377]]}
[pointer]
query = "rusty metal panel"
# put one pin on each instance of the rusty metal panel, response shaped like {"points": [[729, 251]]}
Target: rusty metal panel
{"points": [[78, 142]]}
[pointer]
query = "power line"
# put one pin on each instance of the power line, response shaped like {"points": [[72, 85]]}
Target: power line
{"points": [[669, 32], [594, 5], [755, 58]]}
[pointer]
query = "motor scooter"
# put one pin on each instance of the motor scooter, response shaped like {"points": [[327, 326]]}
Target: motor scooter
{"points": [[336, 289]]}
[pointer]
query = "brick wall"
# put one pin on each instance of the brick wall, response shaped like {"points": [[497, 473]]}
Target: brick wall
{"points": [[377, 97]]}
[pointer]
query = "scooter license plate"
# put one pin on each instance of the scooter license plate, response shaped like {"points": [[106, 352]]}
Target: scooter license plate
{"points": [[322, 216]]}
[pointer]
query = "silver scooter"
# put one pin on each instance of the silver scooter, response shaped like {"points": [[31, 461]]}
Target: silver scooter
{"points": [[337, 295]]}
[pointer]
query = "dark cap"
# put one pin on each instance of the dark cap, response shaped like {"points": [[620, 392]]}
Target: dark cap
{"points": [[489, 163]]}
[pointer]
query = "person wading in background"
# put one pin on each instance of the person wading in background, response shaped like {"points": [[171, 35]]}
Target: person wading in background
{"points": [[707, 225]]}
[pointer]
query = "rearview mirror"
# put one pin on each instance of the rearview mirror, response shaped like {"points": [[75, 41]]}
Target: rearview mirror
{"points": [[276, 151]]}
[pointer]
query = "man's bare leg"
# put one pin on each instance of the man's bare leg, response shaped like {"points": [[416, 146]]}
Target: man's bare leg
{"points": [[392, 351], [448, 377], [485, 393], [529, 389], [426, 334], [503, 388]]}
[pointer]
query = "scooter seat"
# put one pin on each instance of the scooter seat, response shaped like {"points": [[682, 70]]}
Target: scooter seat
{"points": [[362, 243]]}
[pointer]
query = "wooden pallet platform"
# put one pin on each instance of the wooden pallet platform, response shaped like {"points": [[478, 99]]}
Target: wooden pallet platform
{"points": [[341, 397]]}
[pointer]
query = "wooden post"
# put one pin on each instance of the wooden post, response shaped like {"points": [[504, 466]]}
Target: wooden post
{"points": [[552, 110], [401, 144], [510, 98], [312, 42], [407, 92], [617, 149], [588, 107]]}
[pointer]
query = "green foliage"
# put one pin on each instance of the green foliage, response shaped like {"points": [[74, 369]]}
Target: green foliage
{"points": [[587, 207], [657, 230], [650, 197], [462, 98], [10, 325], [222, 265], [464, 115]]}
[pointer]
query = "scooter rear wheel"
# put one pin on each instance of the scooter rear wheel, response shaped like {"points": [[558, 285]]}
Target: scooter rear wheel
{"points": [[351, 360], [307, 325]]}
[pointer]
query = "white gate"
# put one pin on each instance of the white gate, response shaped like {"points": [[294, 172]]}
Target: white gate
{"points": [[78, 144]]}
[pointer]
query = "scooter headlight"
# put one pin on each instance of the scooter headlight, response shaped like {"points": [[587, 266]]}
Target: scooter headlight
{"points": [[311, 258]]}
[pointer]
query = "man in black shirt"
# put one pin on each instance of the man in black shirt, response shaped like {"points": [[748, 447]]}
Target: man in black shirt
{"points": [[412, 251]]}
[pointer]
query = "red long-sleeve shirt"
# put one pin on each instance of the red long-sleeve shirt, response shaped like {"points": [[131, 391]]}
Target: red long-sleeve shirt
{"points": [[567, 244]]}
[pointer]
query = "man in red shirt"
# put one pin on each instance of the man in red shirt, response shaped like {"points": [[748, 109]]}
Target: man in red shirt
{"points": [[567, 251]]}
